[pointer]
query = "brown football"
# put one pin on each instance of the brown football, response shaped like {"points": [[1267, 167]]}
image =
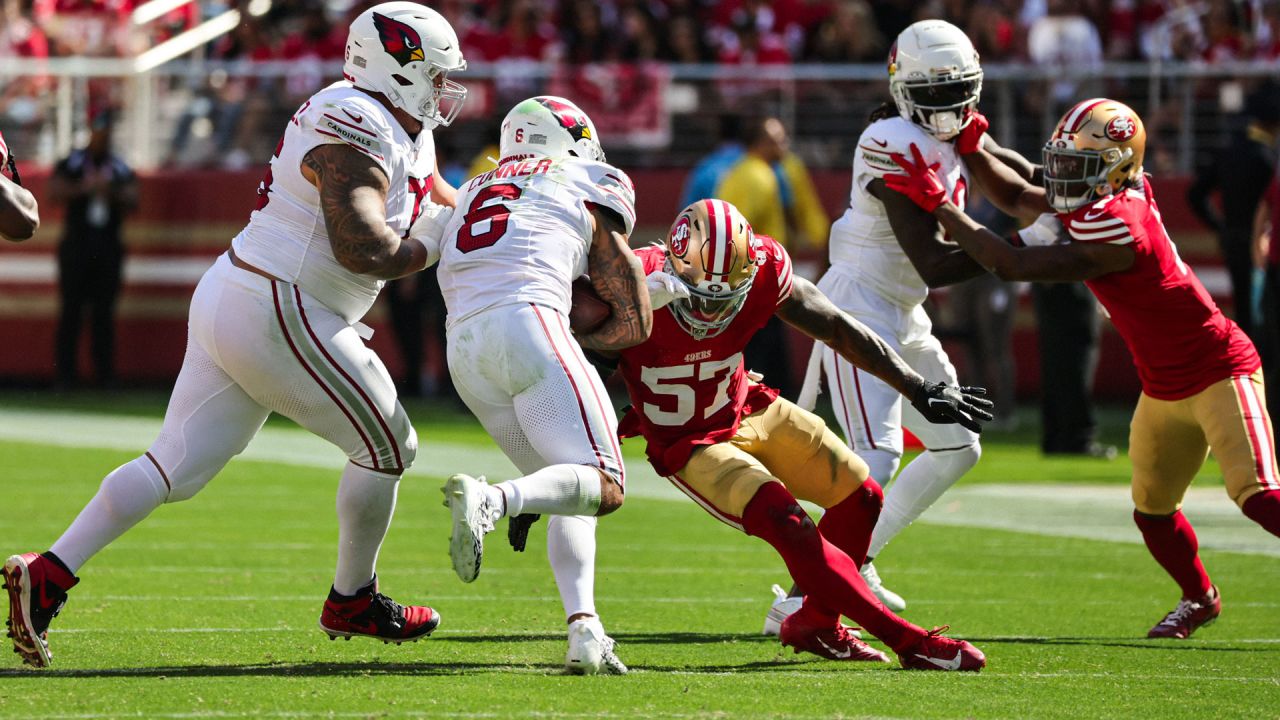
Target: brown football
{"points": [[587, 311]]}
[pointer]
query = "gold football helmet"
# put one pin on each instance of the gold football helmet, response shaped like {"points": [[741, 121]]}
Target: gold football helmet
{"points": [[712, 249], [1096, 149]]}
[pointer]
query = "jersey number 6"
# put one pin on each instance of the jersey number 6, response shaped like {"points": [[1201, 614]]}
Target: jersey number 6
{"points": [[486, 206]]}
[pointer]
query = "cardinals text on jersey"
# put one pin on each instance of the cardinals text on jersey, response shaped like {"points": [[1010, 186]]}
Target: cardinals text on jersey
{"points": [[522, 232], [286, 234], [688, 392], [1180, 341], [862, 241]]}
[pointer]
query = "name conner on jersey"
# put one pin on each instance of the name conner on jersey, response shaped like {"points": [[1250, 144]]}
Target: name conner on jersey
{"points": [[522, 232]]}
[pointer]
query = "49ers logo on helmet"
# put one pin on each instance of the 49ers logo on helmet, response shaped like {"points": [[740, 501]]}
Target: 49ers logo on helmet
{"points": [[680, 234], [1121, 128], [398, 39], [570, 117]]}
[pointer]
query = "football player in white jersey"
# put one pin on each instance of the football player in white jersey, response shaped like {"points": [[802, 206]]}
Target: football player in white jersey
{"points": [[550, 212], [885, 256], [346, 204]]}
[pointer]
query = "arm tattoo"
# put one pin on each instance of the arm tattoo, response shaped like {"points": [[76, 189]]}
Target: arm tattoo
{"points": [[353, 199], [810, 312], [618, 277]]}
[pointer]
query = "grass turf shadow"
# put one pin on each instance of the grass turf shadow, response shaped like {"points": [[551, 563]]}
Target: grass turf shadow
{"points": [[1135, 643]]}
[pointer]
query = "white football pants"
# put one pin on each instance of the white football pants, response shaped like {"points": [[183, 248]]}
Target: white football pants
{"points": [[525, 378], [872, 414], [255, 346]]}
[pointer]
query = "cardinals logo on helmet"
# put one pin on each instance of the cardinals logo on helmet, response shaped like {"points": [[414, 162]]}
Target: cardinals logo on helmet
{"points": [[1121, 128], [399, 40], [570, 118]]}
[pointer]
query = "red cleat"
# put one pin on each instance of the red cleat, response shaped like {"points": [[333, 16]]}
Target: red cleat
{"points": [[37, 591], [937, 652], [831, 642], [1189, 616], [369, 613]]}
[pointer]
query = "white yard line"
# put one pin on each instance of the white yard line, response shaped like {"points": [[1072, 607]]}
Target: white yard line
{"points": [[1095, 512], [1092, 512]]}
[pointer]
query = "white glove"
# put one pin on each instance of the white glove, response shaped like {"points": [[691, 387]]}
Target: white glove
{"points": [[1046, 230], [429, 229], [664, 288]]}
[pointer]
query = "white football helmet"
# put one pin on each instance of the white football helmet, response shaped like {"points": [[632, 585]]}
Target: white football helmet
{"points": [[551, 126], [406, 51], [935, 78]]}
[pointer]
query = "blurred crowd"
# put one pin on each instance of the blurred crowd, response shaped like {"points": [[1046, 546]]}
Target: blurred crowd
{"points": [[683, 31], [614, 58]]}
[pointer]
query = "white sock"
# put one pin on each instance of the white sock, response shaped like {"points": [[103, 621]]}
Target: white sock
{"points": [[571, 548], [554, 490], [125, 497], [919, 485], [366, 501], [883, 464]]}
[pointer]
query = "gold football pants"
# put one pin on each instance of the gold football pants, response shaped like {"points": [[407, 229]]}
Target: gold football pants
{"points": [[1169, 440], [781, 443]]}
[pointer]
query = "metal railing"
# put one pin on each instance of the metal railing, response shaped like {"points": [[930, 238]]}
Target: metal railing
{"points": [[197, 112]]}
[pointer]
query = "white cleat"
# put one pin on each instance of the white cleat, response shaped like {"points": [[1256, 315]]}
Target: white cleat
{"points": [[590, 650], [473, 517], [891, 599], [784, 607], [781, 609]]}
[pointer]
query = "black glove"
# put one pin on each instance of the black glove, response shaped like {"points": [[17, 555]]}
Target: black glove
{"points": [[606, 365], [945, 404], [518, 529]]}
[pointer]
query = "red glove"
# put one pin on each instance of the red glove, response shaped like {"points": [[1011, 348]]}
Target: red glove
{"points": [[921, 183], [970, 138]]}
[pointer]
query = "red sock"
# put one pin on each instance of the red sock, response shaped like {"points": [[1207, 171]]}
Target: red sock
{"points": [[825, 572], [1173, 544], [848, 523], [1264, 509]]}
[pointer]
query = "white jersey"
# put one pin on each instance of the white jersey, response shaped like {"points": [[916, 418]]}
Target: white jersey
{"points": [[862, 242], [522, 232], [286, 234]]}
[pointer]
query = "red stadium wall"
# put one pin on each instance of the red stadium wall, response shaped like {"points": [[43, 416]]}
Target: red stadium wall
{"points": [[188, 218]]}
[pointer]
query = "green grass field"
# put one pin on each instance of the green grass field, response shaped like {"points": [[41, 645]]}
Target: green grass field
{"points": [[208, 609]]}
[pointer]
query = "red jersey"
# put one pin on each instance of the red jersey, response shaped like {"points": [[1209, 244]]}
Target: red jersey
{"points": [[687, 392], [1180, 341]]}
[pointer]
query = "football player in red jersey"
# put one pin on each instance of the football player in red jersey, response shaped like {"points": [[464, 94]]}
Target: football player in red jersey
{"points": [[19, 215], [745, 455], [1202, 387]]}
